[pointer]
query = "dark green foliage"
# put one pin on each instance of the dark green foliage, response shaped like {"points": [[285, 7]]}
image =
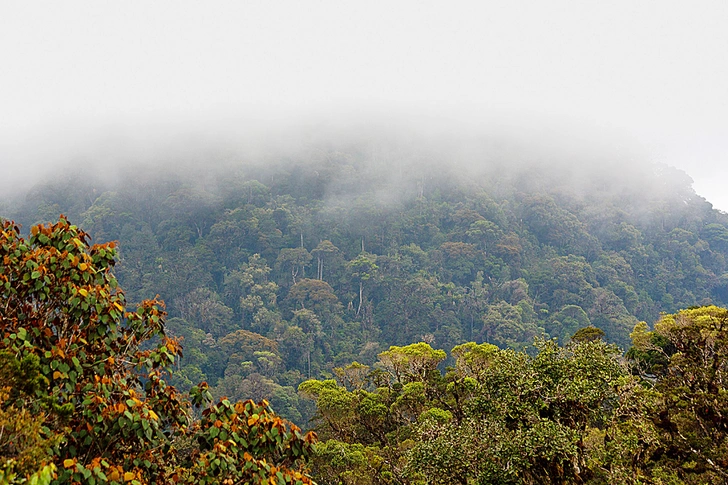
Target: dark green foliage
{"points": [[350, 249], [587, 334]]}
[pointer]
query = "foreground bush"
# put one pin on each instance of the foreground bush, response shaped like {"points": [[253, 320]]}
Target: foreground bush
{"points": [[84, 395]]}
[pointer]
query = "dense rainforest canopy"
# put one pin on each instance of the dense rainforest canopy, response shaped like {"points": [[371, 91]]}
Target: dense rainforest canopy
{"points": [[307, 280]]}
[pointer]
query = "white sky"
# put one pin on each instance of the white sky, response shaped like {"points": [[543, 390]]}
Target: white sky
{"points": [[656, 71]]}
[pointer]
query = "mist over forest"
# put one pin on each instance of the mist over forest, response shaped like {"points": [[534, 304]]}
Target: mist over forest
{"points": [[578, 223], [335, 253], [374, 243]]}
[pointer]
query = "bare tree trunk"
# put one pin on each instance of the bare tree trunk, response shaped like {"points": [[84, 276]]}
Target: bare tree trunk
{"points": [[361, 293]]}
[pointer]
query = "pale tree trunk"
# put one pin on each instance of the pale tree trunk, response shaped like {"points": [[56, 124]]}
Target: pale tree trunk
{"points": [[361, 293]]}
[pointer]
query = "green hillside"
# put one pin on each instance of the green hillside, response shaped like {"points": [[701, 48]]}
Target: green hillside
{"points": [[282, 268]]}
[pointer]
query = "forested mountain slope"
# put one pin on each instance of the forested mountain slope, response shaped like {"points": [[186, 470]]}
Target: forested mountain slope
{"points": [[281, 268]]}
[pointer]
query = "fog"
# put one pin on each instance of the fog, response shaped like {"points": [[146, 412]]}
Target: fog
{"points": [[105, 87]]}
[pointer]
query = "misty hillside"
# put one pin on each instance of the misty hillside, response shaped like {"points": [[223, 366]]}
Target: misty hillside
{"points": [[278, 268]]}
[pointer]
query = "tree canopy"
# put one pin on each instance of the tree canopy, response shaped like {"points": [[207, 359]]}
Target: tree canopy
{"points": [[85, 395], [574, 414], [328, 265]]}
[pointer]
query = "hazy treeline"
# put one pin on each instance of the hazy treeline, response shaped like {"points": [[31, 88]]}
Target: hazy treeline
{"points": [[281, 269]]}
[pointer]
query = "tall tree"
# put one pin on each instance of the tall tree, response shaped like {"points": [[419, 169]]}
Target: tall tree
{"points": [[323, 252], [362, 269]]}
